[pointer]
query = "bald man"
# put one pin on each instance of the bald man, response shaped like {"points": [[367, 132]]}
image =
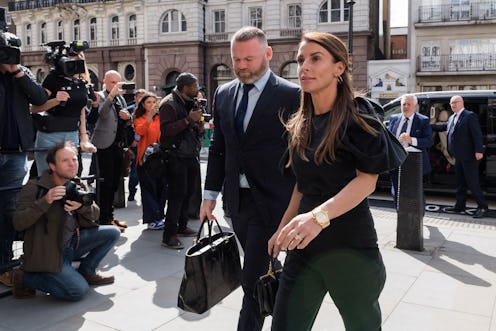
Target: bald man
{"points": [[109, 137]]}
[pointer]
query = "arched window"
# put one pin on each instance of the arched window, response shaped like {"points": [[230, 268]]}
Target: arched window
{"points": [[220, 74], [60, 30], [93, 29], [173, 21], [76, 30], [333, 11], [170, 81], [133, 29], [29, 35], [114, 29], [43, 33], [290, 72]]}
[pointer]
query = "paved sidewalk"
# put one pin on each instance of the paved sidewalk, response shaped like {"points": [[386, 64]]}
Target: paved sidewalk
{"points": [[449, 286]]}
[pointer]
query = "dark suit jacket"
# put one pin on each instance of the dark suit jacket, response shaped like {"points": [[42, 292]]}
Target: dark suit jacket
{"points": [[421, 129], [258, 153], [467, 136]]}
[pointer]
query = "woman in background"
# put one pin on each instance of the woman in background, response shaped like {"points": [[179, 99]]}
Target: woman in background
{"points": [[153, 189]]}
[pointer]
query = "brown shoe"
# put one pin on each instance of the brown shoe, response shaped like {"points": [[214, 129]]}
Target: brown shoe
{"points": [[98, 279], [7, 278], [116, 224], [19, 291], [119, 223]]}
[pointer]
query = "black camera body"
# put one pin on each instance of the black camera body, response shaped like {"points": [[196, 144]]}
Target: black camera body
{"points": [[74, 192], [58, 56], [10, 52], [128, 86], [200, 103]]}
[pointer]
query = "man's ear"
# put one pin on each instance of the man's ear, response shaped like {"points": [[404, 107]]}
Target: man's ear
{"points": [[51, 166]]}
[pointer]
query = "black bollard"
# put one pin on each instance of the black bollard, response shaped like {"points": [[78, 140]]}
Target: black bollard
{"points": [[409, 231]]}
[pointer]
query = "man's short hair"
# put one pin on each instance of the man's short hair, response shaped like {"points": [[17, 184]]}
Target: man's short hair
{"points": [[185, 79], [409, 96], [140, 91], [50, 158], [248, 33]]}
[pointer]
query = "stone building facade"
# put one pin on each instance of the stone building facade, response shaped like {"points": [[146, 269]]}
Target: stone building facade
{"points": [[152, 41]]}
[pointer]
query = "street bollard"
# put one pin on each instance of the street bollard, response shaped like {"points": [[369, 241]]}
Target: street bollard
{"points": [[409, 231]]}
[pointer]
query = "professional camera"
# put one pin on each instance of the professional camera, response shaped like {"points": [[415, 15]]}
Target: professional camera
{"points": [[200, 104], [128, 86], [58, 56], [9, 43], [74, 192]]}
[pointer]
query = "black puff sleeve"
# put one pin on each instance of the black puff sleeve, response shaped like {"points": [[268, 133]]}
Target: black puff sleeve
{"points": [[369, 151]]}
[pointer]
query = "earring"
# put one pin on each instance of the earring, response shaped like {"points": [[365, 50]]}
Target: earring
{"points": [[340, 80]]}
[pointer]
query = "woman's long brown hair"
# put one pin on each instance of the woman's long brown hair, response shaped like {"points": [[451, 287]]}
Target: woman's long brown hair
{"points": [[344, 109]]}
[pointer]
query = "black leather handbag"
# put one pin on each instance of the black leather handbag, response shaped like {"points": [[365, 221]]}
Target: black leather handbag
{"points": [[212, 270], [266, 289]]}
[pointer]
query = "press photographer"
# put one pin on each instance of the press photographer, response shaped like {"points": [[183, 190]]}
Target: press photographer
{"points": [[18, 88], [63, 116], [59, 222]]}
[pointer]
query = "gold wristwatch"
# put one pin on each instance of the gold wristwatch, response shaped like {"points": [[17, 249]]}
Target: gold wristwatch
{"points": [[321, 217]]}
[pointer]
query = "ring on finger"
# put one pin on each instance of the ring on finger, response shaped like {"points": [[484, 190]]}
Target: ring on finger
{"points": [[298, 237]]}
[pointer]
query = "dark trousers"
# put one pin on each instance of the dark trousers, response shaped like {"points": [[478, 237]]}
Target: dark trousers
{"points": [[467, 177], [181, 177], [253, 233], [110, 162], [354, 278], [153, 196], [133, 175]]}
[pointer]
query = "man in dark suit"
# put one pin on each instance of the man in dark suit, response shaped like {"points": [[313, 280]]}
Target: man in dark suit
{"points": [[465, 144], [246, 148], [411, 129]]}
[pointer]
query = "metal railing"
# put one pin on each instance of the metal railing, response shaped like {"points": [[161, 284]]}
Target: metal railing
{"points": [[479, 11], [290, 33], [214, 37], [34, 4], [454, 63]]}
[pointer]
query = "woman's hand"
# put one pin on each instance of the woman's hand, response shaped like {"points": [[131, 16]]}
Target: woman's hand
{"points": [[273, 248], [298, 233]]}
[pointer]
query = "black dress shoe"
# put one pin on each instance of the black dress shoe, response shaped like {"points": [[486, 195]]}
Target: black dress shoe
{"points": [[453, 210], [479, 213]]}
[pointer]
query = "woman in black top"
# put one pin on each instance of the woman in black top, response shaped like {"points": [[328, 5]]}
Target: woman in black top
{"points": [[65, 118], [336, 153]]}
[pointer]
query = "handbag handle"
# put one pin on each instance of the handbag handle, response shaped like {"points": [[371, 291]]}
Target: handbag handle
{"points": [[209, 225], [271, 271]]}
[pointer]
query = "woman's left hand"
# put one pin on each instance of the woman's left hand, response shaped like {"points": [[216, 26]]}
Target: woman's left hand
{"points": [[88, 147], [299, 232]]}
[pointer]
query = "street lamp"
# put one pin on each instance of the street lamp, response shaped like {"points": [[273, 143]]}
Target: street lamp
{"points": [[350, 4]]}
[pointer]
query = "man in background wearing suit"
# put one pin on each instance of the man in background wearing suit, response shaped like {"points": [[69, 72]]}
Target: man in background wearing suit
{"points": [[246, 148], [465, 144], [411, 129]]}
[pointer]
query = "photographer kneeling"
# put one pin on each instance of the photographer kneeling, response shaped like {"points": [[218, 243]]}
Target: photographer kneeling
{"points": [[58, 220]]}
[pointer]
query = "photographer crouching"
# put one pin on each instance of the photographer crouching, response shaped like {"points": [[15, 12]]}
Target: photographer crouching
{"points": [[58, 218], [18, 89]]}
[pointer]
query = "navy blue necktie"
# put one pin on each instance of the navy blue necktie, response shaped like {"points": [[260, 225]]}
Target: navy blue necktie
{"points": [[450, 136], [405, 126], [241, 112]]}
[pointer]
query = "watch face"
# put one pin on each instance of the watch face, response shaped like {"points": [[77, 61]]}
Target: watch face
{"points": [[321, 217]]}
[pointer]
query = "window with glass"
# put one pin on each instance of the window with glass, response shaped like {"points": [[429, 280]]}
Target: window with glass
{"points": [[29, 36], [290, 72], [114, 30], [133, 29], [60, 30], [173, 21], [93, 29], [43, 33], [76, 30], [219, 75], [294, 16], [332, 11], [219, 21], [256, 17]]}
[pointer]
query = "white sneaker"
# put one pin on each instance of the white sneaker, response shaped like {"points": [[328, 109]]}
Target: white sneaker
{"points": [[156, 225]]}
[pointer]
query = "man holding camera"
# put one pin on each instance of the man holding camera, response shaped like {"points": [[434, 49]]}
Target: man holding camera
{"points": [[110, 138], [18, 88], [180, 131], [59, 222]]}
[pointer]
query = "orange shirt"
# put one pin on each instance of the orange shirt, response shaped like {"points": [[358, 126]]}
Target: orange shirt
{"points": [[149, 132]]}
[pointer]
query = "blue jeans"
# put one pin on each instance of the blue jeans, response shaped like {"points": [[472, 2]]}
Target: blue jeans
{"points": [[13, 169], [69, 284], [46, 140], [153, 196]]}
